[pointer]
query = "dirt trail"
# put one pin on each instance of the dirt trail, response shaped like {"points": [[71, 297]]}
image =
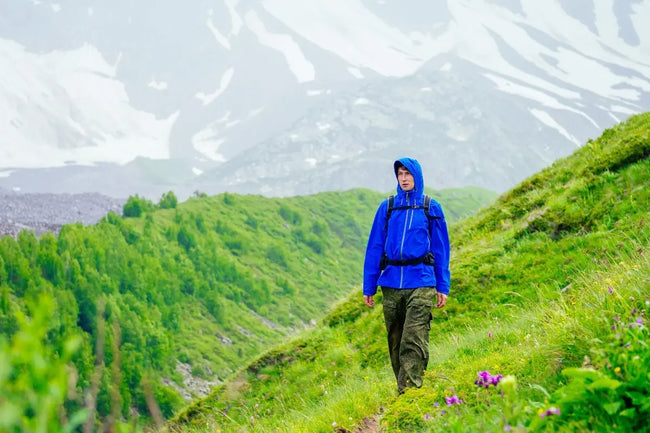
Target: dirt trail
{"points": [[368, 425]]}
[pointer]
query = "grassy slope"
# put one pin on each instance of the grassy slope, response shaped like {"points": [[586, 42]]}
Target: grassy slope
{"points": [[538, 279]]}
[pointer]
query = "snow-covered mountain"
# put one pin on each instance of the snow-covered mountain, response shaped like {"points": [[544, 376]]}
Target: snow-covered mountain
{"points": [[282, 97]]}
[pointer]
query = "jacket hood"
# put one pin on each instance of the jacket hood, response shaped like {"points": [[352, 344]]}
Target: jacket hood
{"points": [[414, 167]]}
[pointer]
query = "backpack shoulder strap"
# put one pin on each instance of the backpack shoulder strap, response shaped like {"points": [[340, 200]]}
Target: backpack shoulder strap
{"points": [[427, 205], [389, 210]]}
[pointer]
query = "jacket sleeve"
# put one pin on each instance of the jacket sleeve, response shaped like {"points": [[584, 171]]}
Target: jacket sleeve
{"points": [[440, 248], [374, 251]]}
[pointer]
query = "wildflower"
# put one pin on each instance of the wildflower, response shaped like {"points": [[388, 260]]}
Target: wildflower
{"points": [[490, 334], [334, 424], [639, 321], [435, 404], [611, 290], [485, 379], [453, 400], [427, 416], [252, 419], [507, 427], [548, 412], [442, 412], [617, 369]]}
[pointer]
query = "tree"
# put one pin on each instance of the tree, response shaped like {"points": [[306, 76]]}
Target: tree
{"points": [[168, 201], [135, 206]]}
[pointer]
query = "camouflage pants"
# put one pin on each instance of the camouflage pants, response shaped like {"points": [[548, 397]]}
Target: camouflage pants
{"points": [[407, 313]]}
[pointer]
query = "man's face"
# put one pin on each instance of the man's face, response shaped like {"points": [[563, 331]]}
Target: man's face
{"points": [[405, 179]]}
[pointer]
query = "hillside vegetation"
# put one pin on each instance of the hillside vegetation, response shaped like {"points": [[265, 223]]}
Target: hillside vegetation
{"points": [[156, 307], [545, 330]]}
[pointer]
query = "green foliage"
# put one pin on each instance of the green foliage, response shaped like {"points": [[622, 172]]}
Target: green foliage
{"points": [[135, 206], [290, 215], [34, 375], [168, 201], [614, 392]]}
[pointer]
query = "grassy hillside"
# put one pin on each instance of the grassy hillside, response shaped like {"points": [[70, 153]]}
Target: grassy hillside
{"points": [[550, 287], [185, 293]]}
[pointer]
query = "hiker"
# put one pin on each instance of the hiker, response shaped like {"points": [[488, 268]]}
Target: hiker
{"points": [[408, 256]]}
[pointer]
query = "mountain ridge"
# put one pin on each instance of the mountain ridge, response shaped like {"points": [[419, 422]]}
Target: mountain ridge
{"points": [[194, 90]]}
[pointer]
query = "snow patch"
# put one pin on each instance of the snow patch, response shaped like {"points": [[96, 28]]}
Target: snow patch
{"points": [[545, 99], [300, 67], [446, 67], [223, 85], [351, 31], [197, 171], [356, 73], [6, 173], [315, 92], [158, 85], [69, 106], [361, 101], [311, 162], [207, 143], [546, 119], [323, 126], [221, 39], [235, 24], [621, 109]]}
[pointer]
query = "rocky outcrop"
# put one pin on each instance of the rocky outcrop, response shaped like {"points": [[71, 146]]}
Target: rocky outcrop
{"points": [[49, 212]]}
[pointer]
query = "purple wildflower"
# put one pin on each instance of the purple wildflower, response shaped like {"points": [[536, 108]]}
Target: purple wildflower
{"points": [[550, 411], [485, 379], [453, 400], [442, 412], [639, 321], [435, 404], [427, 416], [490, 334], [507, 427], [611, 290]]}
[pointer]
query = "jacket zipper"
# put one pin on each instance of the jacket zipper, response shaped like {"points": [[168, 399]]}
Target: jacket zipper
{"points": [[401, 247]]}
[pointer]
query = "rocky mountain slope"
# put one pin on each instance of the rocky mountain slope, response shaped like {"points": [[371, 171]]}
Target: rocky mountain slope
{"points": [[43, 212], [279, 98]]}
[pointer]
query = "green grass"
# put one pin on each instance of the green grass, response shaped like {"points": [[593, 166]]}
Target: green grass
{"points": [[538, 280]]}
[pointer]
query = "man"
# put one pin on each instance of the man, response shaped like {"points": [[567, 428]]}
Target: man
{"points": [[408, 256]]}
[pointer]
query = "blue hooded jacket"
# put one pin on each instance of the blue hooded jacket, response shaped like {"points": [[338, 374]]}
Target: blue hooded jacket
{"points": [[406, 236]]}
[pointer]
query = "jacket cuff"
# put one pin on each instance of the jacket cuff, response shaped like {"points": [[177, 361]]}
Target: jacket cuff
{"points": [[443, 290]]}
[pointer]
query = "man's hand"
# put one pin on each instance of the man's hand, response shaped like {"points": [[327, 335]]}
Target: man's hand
{"points": [[442, 300], [369, 300]]}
